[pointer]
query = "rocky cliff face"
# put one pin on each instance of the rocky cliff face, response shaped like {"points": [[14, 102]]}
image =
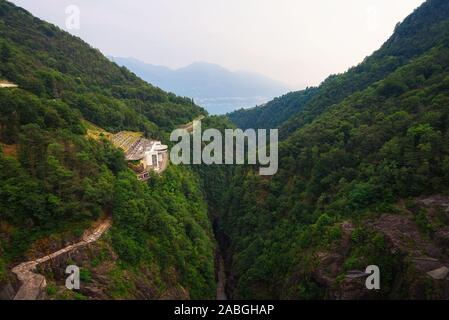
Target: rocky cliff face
{"points": [[416, 241], [98, 266], [9, 287]]}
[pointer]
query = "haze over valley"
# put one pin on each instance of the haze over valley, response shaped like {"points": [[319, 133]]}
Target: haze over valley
{"points": [[211, 86]]}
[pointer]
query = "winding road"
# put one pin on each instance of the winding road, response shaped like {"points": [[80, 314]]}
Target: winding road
{"points": [[32, 284], [7, 85]]}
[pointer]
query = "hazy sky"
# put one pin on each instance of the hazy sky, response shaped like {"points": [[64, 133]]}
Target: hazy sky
{"points": [[299, 42]]}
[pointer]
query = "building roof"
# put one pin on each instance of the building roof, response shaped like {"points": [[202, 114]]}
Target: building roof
{"points": [[137, 151], [135, 146]]}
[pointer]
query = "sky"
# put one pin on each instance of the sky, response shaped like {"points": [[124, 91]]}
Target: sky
{"points": [[299, 42]]}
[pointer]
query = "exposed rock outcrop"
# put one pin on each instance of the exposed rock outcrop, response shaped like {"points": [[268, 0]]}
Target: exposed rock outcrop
{"points": [[423, 269], [33, 284], [439, 274], [9, 287]]}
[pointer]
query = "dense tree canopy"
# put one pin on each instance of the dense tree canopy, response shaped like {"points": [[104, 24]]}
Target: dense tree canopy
{"points": [[351, 148], [54, 179]]}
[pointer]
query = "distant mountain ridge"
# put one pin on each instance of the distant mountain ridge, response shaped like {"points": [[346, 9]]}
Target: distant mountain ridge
{"points": [[212, 86]]}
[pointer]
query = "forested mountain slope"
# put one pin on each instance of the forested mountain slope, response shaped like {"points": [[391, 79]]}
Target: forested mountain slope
{"points": [[363, 176], [273, 113], [53, 64], [359, 169], [421, 31], [55, 181]]}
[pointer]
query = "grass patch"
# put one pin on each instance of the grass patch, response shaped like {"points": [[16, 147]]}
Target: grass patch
{"points": [[85, 275]]}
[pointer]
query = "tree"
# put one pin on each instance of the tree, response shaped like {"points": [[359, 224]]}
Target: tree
{"points": [[5, 52]]}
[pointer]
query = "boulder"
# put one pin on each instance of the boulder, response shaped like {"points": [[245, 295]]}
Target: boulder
{"points": [[439, 274]]}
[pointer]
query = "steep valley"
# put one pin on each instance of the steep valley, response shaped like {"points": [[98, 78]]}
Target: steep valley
{"points": [[359, 158], [363, 178]]}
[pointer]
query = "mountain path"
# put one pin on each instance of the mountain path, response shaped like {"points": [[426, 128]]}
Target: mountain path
{"points": [[32, 283], [7, 85]]}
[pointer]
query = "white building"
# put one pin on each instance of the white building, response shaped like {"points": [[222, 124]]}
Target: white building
{"points": [[155, 156], [143, 154]]}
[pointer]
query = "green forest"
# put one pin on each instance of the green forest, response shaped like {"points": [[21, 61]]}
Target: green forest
{"points": [[358, 156], [54, 180], [352, 148]]}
